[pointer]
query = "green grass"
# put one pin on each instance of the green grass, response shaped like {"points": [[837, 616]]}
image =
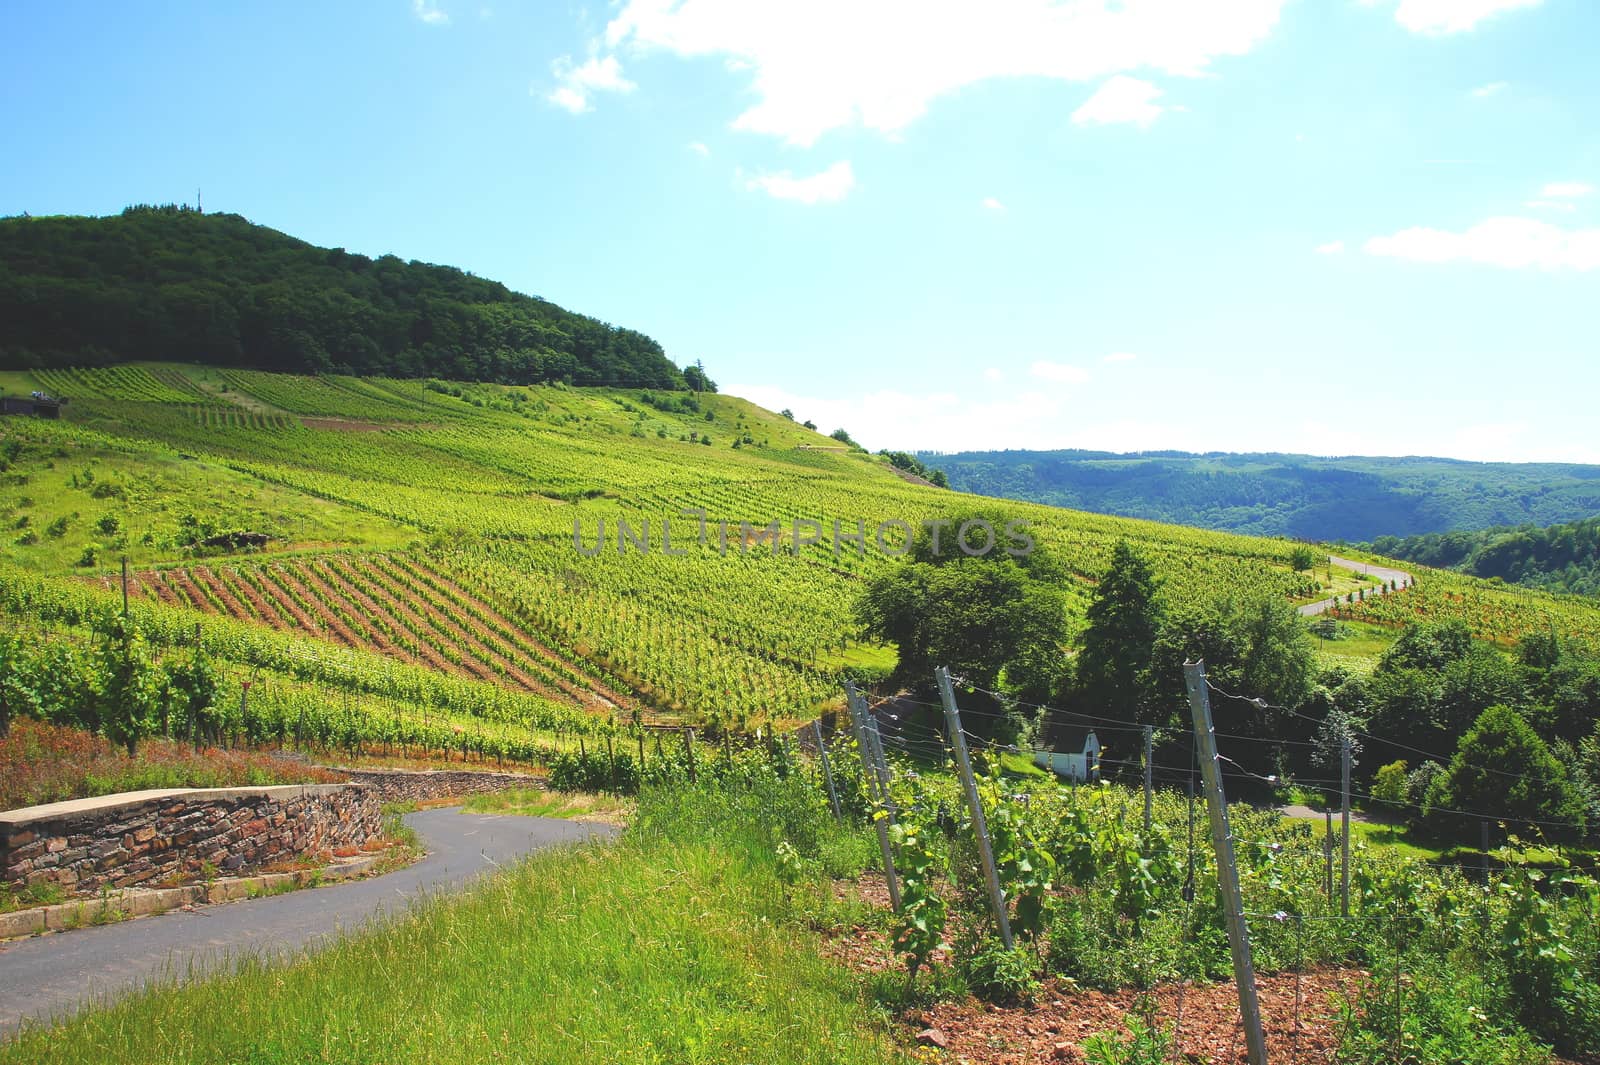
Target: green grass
{"points": [[535, 802], [649, 951], [26, 898], [65, 492], [1359, 647]]}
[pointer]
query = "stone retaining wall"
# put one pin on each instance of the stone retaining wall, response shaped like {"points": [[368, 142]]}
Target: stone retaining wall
{"points": [[152, 837], [405, 785]]}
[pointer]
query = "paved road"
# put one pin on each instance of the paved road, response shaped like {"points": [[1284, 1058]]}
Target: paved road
{"points": [[1383, 573], [1298, 810], [52, 974]]}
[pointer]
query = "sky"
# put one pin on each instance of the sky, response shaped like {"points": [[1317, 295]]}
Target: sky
{"points": [[1323, 226]]}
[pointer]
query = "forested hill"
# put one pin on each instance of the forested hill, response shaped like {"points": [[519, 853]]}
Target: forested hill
{"points": [[1561, 558], [1355, 498], [174, 284]]}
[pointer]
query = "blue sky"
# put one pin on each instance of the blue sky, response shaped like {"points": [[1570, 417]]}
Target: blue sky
{"points": [[1334, 226]]}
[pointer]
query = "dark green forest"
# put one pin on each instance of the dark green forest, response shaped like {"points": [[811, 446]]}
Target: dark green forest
{"points": [[170, 283], [1353, 499], [1559, 558]]}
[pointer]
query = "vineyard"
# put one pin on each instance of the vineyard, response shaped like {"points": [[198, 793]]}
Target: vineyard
{"points": [[481, 543], [1433, 961]]}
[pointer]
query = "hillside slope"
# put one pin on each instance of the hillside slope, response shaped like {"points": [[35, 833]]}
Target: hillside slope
{"points": [[1558, 558], [170, 283], [1303, 496], [443, 555]]}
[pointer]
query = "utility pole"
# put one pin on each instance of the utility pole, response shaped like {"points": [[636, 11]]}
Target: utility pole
{"points": [[1194, 675], [871, 780], [958, 740]]}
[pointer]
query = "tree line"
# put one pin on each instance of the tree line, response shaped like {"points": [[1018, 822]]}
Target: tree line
{"points": [[1510, 734], [172, 284]]}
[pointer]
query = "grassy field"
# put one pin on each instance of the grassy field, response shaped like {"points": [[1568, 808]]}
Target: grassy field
{"points": [[660, 949], [536, 802]]}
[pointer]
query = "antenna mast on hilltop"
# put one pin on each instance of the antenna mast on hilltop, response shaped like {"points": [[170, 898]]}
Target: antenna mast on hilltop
{"points": [[197, 208]]}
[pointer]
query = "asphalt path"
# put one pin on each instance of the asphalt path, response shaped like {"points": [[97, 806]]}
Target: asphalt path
{"points": [[1401, 578], [52, 975]]}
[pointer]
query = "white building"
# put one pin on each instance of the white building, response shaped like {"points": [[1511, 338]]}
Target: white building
{"points": [[1081, 762]]}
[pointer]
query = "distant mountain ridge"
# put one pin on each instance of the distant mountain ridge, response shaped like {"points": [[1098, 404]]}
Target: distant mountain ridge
{"points": [[1355, 499], [173, 284]]}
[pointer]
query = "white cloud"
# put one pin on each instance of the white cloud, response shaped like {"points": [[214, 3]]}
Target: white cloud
{"points": [[1565, 190], [699, 148], [992, 204], [1120, 356], [821, 65], [428, 11], [1120, 99], [1438, 17], [1511, 243], [1483, 92], [829, 186], [994, 374], [1333, 247], [570, 99], [1551, 205], [1059, 372], [580, 83]]}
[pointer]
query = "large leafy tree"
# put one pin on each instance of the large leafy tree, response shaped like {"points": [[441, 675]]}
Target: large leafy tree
{"points": [[993, 618], [1503, 771], [1118, 645]]}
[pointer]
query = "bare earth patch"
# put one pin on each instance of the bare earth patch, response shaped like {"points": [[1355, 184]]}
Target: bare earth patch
{"points": [[1298, 1011]]}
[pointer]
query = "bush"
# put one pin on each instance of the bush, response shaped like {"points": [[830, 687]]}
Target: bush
{"points": [[1439, 1022], [1389, 786], [1419, 780], [1003, 977], [1146, 1045]]}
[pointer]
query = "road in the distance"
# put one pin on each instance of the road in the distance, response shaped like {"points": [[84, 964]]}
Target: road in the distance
{"points": [[1401, 578], [50, 975]]}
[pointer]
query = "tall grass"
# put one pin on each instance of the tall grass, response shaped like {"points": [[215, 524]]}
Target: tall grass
{"points": [[677, 944]]}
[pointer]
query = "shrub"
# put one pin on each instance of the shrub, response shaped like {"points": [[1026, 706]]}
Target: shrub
{"points": [[1389, 786], [1004, 977]]}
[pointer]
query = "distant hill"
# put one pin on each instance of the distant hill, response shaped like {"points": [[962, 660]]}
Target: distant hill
{"points": [[1303, 496], [169, 283], [1560, 558]]}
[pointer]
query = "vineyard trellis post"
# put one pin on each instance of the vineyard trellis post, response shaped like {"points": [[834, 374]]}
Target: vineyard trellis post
{"points": [[1149, 780], [827, 770], [1327, 851], [980, 827], [1344, 816], [870, 780], [688, 750], [1194, 675]]}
